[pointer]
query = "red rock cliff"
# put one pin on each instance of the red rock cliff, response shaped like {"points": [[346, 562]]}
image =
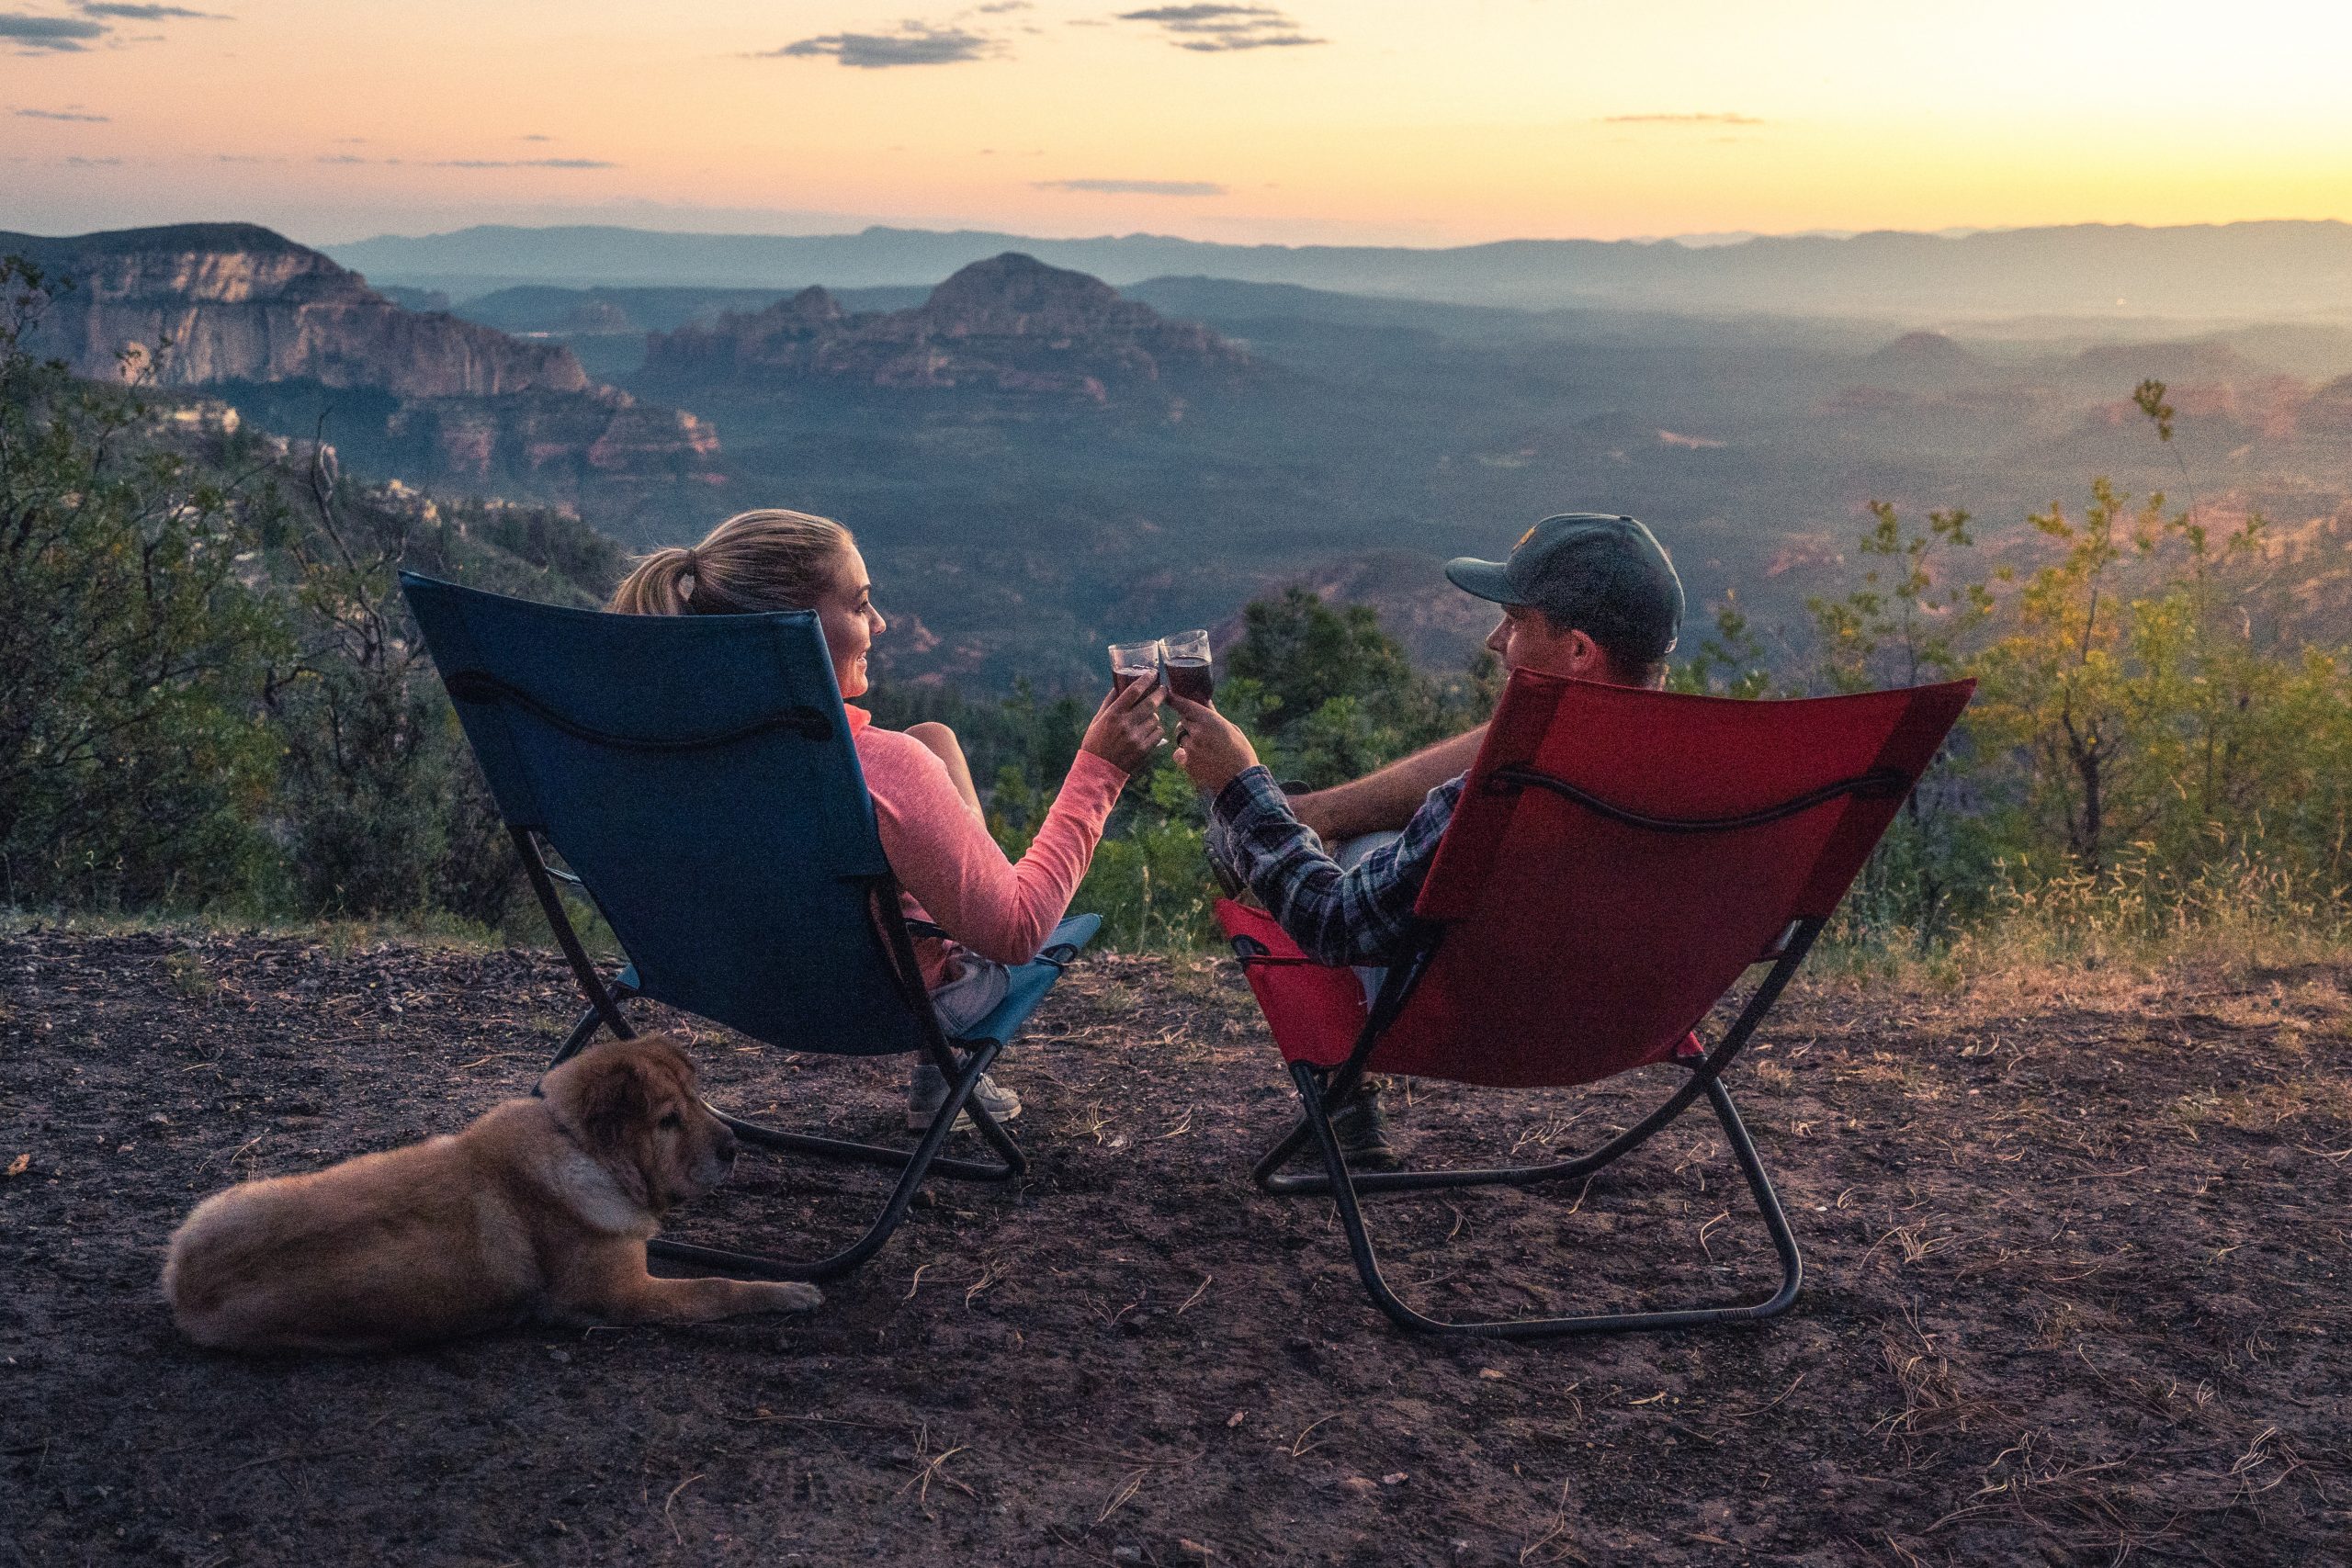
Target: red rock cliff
{"points": [[235, 302]]}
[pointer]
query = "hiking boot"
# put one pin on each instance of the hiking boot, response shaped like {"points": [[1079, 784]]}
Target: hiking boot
{"points": [[1362, 1131], [927, 1092]]}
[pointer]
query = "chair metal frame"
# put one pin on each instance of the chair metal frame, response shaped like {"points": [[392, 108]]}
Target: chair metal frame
{"points": [[963, 1073], [1323, 1090]]}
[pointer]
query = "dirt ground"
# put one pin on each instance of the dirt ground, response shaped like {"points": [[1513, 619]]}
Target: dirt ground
{"points": [[2076, 1249]]}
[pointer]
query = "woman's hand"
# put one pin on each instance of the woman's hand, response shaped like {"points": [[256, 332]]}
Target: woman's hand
{"points": [[1125, 730], [1214, 751]]}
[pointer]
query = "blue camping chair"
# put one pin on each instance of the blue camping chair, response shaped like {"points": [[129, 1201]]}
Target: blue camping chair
{"points": [[695, 774]]}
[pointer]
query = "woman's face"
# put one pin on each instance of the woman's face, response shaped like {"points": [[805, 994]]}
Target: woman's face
{"points": [[851, 622]]}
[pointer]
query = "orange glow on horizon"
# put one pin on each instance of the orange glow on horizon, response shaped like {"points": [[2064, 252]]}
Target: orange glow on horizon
{"points": [[1405, 124]]}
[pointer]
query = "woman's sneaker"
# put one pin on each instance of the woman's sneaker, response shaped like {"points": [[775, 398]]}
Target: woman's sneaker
{"points": [[927, 1092]]}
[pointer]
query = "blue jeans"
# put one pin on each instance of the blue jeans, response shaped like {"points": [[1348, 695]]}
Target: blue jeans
{"points": [[975, 991], [1349, 855]]}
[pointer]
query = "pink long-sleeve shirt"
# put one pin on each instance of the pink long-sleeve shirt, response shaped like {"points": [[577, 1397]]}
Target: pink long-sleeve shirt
{"points": [[953, 872]]}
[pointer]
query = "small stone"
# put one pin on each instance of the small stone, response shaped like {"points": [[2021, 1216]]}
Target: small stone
{"points": [[1238, 1417], [1394, 1478], [1127, 1554], [1361, 1485], [559, 1354]]}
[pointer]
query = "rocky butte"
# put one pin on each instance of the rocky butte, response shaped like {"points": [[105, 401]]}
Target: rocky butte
{"points": [[237, 306], [1010, 324]]}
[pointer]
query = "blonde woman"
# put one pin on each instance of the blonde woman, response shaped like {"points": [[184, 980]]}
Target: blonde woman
{"points": [[997, 913]]}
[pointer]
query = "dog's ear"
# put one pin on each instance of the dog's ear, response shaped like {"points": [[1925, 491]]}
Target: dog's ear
{"points": [[614, 1100], [662, 1056]]}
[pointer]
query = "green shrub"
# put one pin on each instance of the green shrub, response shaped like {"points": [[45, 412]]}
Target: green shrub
{"points": [[132, 763]]}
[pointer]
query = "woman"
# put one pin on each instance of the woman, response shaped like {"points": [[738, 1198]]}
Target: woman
{"points": [[997, 913]]}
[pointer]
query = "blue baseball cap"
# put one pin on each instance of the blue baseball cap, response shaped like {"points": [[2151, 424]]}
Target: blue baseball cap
{"points": [[1604, 575]]}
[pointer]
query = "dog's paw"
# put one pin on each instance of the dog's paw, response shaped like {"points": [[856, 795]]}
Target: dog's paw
{"points": [[790, 1297]]}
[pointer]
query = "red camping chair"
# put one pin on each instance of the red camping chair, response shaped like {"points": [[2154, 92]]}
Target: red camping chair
{"points": [[1618, 860]]}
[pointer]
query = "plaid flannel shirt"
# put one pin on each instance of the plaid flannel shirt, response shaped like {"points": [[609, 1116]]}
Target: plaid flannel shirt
{"points": [[1358, 916]]}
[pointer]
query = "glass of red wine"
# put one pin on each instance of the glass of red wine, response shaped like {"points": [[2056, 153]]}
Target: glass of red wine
{"points": [[1133, 661], [1186, 656]]}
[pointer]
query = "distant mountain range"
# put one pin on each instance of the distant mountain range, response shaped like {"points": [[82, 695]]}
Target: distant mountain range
{"points": [[1010, 324], [2239, 270], [1037, 464]]}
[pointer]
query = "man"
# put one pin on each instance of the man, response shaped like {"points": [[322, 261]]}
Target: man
{"points": [[1585, 595]]}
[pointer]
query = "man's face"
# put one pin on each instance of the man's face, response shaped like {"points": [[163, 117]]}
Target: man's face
{"points": [[1525, 639]]}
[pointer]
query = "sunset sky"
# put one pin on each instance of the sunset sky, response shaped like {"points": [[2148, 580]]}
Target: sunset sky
{"points": [[1385, 121]]}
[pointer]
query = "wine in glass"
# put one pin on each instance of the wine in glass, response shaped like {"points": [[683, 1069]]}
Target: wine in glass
{"points": [[1186, 658], [1133, 661]]}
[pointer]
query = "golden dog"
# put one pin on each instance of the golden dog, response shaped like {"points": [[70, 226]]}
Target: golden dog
{"points": [[538, 1211]]}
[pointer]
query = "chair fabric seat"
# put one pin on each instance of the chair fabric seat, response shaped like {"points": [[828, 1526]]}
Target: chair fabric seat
{"points": [[1314, 1011], [1576, 946], [1030, 982], [1317, 1012]]}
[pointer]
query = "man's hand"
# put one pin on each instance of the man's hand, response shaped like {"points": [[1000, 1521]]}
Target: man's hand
{"points": [[1126, 731], [1214, 751]]}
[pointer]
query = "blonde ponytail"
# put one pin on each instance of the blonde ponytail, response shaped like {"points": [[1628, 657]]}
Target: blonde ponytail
{"points": [[768, 560]]}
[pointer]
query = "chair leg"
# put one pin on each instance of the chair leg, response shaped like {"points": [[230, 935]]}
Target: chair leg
{"points": [[914, 1165], [1008, 1164], [1342, 1185], [586, 1030]]}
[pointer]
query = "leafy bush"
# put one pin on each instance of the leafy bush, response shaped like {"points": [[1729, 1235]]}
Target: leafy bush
{"points": [[2137, 758], [133, 763], [380, 807], [209, 691]]}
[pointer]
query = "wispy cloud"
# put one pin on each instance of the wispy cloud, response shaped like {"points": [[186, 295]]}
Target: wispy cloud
{"points": [[52, 35], [1681, 119], [74, 35], [73, 115], [1221, 29], [148, 13], [915, 44], [1135, 187], [535, 136], [524, 163]]}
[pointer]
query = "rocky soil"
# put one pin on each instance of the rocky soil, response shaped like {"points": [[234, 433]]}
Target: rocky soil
{"points": [[2078, 1254]]}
